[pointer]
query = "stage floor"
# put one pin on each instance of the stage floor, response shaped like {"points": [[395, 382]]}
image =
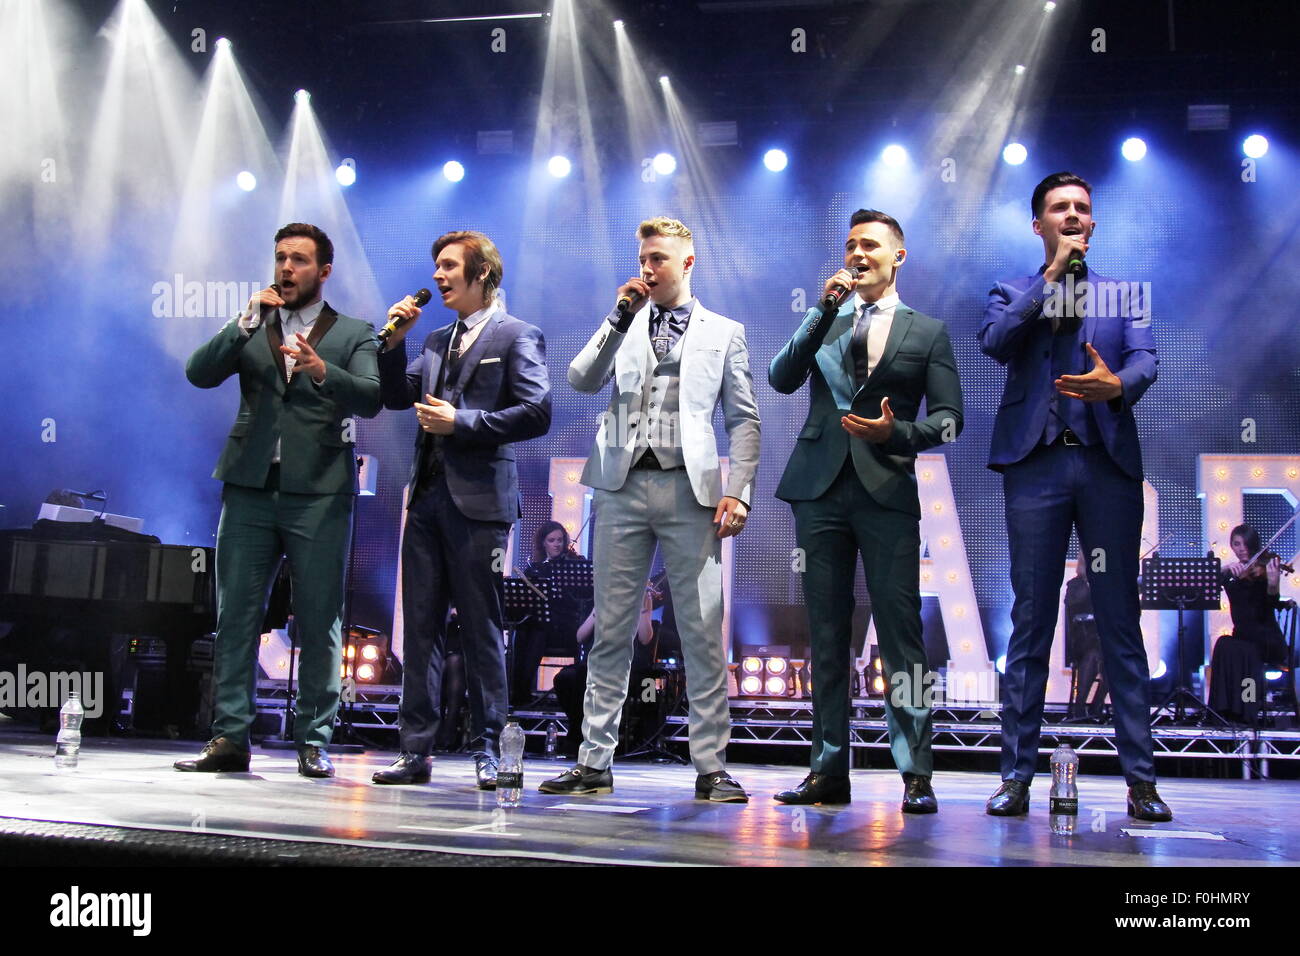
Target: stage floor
{"points": [[129, 788]]}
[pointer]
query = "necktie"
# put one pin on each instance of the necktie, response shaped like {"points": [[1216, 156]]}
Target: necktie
{"points": [[457, 336], [662, 335], [861, 361]]}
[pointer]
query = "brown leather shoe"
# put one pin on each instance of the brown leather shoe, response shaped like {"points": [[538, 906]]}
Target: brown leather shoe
{"points": [[314, 762], [219, 756]]}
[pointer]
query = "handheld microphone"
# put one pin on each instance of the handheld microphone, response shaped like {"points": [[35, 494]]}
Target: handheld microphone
{"points": [[421, 300], [623, 305], [1075, 266], [832, 300]]}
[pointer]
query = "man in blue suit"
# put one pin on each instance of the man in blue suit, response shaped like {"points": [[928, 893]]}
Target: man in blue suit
{"points": [[1079, 354], [851, 482], [479, 385]]}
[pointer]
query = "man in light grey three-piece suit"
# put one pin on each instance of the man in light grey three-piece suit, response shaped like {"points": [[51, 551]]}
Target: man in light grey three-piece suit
{"points": [[657, 479]]}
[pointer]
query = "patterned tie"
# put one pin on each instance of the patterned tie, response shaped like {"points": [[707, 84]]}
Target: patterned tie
{"points": [[662, 335]]}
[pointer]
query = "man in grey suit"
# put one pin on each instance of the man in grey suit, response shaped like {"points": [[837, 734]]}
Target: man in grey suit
{"points": [[657, 477], [851, 482]]}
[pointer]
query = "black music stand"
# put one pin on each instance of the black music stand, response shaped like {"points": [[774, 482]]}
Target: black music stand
{"points": [[575, 578], [1181, 584], [670, 675], [524, 602]]}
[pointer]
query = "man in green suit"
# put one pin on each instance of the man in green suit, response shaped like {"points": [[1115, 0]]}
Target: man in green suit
{"points": [[851, 482], [290, 471]]}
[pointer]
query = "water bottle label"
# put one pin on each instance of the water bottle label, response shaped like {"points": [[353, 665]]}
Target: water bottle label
{"points": [[1068, 806], [510, 781]]}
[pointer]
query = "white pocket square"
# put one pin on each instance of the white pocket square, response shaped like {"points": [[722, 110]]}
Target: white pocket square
{"points": [[489, 361]]}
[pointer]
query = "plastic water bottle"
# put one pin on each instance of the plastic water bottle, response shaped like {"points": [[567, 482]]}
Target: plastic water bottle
{"points": [[510, 769], [67, 746], [552, 739], [1064, 801]]}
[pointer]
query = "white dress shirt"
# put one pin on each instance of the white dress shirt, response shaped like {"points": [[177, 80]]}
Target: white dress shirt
{"points": [[882, 320]]}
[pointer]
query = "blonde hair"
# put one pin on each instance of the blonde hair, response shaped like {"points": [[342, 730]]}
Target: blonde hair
{"points": [[663, 226]]}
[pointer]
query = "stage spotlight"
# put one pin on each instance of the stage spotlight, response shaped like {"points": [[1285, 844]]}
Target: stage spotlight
{"points": [[366, 672], [370, 652], [559, 166], [665, 164], [752, 665], [1014, 154], [775, 160], [776, 687], [1049, 6], [878, 685], [1272, 675], [1001, 664], [246, 181], [894, 155], [663, 80], [453, 170], [302, 96], [777, 665], [1255, 146], [346, 174], [1020, 69], [223, 43], [1133, 149], [618, 24], [1159, 672], [751, 685]]}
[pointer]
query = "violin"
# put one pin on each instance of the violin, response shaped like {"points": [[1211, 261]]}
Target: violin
{"points": [[1256, 567]]}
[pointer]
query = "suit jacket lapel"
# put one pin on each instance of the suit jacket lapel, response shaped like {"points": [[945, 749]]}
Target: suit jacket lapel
{"points": [[468, 364], [437, 347], [275, 338], [897, 332], [324, 322], [692, 338]]}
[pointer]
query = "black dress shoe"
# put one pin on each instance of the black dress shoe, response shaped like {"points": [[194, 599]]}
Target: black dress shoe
{"points": [[219, 756], [314, 762], [580, 780], [407, 768], [1009, 800], [817, 788], [918, 795], [485, 771], [719, 787], [1145, 804]]}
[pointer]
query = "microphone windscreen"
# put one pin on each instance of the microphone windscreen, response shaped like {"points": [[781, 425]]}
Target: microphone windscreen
{"points": [[422, 297]]}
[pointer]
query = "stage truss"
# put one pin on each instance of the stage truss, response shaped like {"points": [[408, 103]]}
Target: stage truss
{"points": [[788, 723]]}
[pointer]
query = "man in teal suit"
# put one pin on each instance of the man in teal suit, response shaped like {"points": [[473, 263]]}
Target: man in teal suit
{"points": [[852, 484], [289, 468]]}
